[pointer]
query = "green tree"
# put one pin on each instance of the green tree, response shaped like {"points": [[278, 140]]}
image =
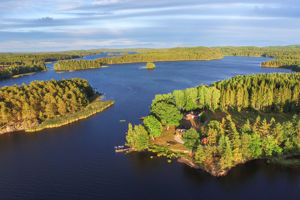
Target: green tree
{"points": [[138, 137], [256, 146], [168, 114], [153, 126], [278, 133], [270, 146], [191, 138], [50, 110], [130, 136], [191, 98], [61, 107], [245, 146], [212, 132], [264, 127], [226, 156], [215, 98], [166, 98], [246, 128], [179, 97], [200, 155]]}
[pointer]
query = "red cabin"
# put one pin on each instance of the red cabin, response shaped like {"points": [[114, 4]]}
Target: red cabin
{"points": [[204, 141], [190, 116]]}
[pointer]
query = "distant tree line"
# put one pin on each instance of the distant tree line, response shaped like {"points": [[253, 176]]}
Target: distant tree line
{"points": [[285, 56], [16, 64], [72, 65], [174, 54], [20, 63], [293, 64]]}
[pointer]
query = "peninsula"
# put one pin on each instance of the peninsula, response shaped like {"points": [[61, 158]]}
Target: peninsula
{"points": [[47, 104], [228, 123]]}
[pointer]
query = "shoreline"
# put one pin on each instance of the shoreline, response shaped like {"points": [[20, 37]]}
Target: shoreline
{"points": [[93, 108], [210, 169], [70, 118], [164, 61], [63, 71], [27, 74], [224, 172]]}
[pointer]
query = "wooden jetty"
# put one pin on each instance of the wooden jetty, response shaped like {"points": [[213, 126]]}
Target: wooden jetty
{"points": [[120, 149]]}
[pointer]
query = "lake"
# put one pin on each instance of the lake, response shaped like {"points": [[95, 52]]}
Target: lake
{"points": [[77, 161]]}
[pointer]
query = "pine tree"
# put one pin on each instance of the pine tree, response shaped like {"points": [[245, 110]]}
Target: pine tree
{"points": [[256, 125], [179, 97], [200, 155], [245, 146], [264, 127], [191, 97], [227, 156]]}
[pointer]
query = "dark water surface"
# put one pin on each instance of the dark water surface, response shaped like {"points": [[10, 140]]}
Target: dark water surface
{"points": [[78, 162]]}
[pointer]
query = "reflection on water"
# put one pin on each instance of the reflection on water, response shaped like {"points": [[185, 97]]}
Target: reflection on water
{"points": [[78, 162]]}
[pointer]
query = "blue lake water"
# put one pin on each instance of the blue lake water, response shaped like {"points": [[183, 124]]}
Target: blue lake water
{"points": [[77, 161]]}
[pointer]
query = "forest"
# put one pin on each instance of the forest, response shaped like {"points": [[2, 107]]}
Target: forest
{"points": [[12, 64], [239, 119], [285, 56], [72, 65], [173, 54], [29, 105], [8, 71], [16, 64]]}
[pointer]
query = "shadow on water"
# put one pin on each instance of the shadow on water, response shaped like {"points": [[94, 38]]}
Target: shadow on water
{"points": [[77, 161], [143, 162], [245, 173]]}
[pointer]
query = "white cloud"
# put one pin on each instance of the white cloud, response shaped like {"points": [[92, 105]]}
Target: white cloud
{"points": [[76, 24], [105, 2], [33, 45]]}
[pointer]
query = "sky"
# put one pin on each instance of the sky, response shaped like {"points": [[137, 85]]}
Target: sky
{"points": [[57, 25]]}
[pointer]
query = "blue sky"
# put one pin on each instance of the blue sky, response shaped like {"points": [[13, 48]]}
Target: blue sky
{"points": [[55, 25]]}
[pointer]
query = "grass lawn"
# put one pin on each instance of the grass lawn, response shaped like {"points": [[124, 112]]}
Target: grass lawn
{"points": [[167, 140]]}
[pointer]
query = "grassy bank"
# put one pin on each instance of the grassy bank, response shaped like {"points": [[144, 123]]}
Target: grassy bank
{"points": [[27, 74], [95, 107]]}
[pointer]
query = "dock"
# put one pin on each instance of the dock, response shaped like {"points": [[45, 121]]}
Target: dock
{"points": [[120, 149]]}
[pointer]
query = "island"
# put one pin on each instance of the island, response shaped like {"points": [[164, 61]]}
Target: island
{"points": [[47, 104], [149, 66], [225, 124]]}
